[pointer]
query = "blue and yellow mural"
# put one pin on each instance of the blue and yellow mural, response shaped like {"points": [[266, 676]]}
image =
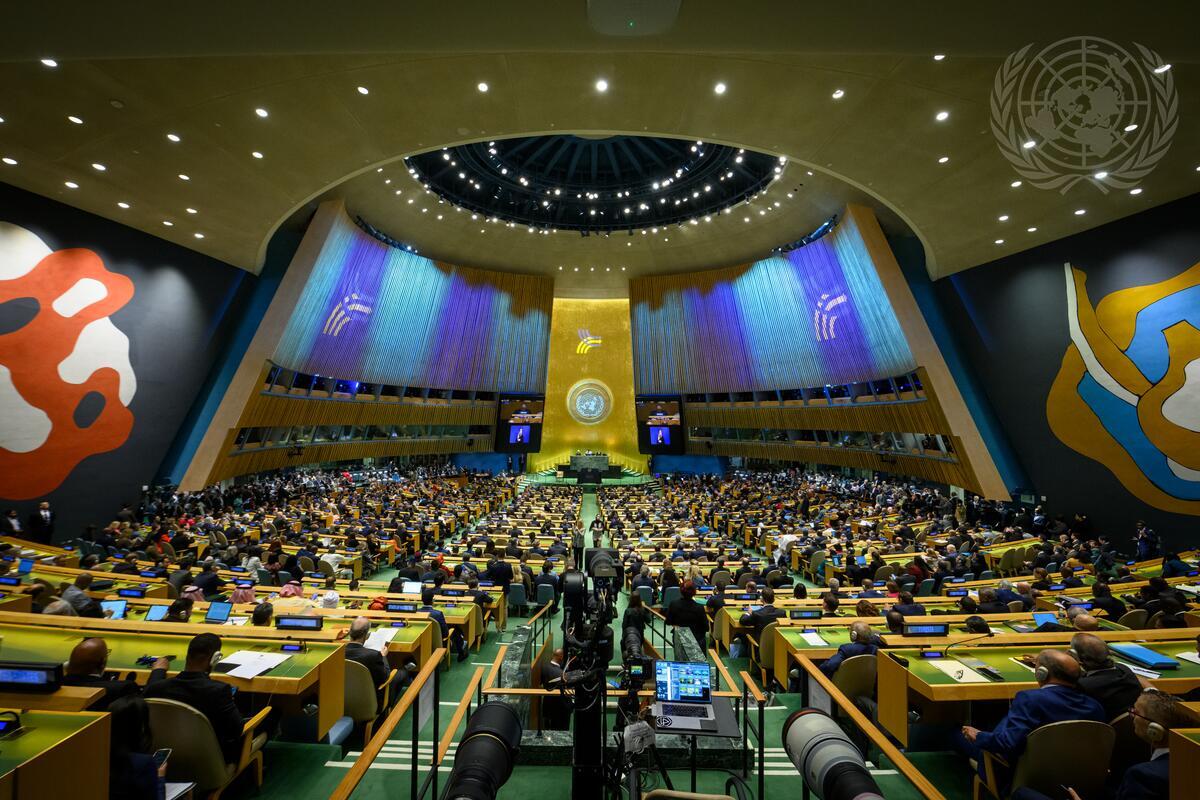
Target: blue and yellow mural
{"points": [[1128, 392]]}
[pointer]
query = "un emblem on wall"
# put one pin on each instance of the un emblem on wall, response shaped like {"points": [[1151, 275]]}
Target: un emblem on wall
{"points": [[589, 401], [1084, 109]]}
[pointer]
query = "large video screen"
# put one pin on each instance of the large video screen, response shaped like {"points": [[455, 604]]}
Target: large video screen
{"points": [[659, 424], [519, 423]]}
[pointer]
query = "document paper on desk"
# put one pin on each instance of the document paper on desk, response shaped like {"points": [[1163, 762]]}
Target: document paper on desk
{"points": [[251, 663], [379, 637], [958, 671], [1192, 657], [814, 640]]}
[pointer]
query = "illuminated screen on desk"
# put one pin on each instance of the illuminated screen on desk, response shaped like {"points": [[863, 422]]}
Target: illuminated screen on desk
{"points": [[927, 629], [805, 613], [401, 607], [24, 677], [1044, 617], [299, 623], [157, 613], [683, 682]]}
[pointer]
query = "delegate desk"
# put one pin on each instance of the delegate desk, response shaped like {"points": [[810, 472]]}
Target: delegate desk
{"points": [[835, 631], [415, 640], [58, 754], [63, 556], [1185, 760], [580, 462], [319, 670], [152, 587], [919, 681]]}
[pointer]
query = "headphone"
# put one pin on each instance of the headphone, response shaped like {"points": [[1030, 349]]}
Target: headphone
{"points": [[853, 635], [1156, 731], [1042, 674], [216, 657]]}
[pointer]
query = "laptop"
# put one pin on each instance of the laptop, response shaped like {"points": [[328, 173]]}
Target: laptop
{"points": [[683, 690], [218, 613]]}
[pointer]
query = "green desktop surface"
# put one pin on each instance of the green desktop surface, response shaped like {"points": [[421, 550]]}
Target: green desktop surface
{"points": [[28, 643], [40, 731], [1001, 658]]}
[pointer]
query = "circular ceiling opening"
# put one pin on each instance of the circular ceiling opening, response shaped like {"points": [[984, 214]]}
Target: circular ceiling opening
{"points": [[595, 184]]}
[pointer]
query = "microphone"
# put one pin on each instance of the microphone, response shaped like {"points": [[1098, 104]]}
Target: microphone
{"points": [[977, 637]]}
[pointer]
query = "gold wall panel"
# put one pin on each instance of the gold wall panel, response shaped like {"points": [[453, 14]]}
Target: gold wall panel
{"points": [[609, 363]]}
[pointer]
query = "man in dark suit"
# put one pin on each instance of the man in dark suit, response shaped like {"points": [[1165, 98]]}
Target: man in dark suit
{"points": [[1102, 598], [1057, 699], [214, 700], [209, 581], [86, 668], [862, 643], [554, 711], [548, 578], [988, 604], [1006, 595], [500, 572], [763, 616], [686, 612], [906, 606], [374, 660], [41, 524], [11, 525], [1112, 685]]}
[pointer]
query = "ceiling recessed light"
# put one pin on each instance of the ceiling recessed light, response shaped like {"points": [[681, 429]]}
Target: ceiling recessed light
{"points": [[1029, 145], [99, 167], [363, 90], [999, 241], [560, 268], [183, 177], [1015, 184], [719, 88], [591, 269], [12, 162], [942, 116], [943, 159], [1135, 191], [262, 112], [190, 210], [123, 204], [1159, 70], [75, 119], [1079, 212], [1031, 230], [838, 94], [174, 137], [481, 86], [1101, 175], [50, 62], [71, 184], [198, 235], [1003, 218], [1131, 127], [256, 154], [576, 269], [168, 223], [602, 85], [1, 119], [939, 56], [622, 269]]}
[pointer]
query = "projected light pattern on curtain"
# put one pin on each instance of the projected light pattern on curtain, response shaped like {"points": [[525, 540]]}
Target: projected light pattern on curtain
{"points": [[816, 315], [384, 315]]}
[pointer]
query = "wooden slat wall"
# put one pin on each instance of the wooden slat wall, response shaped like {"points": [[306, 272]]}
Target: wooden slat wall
{"points": [[917, 416], [253, 460], [954, 473], [272, 410], [923, 416], [279, 410]]}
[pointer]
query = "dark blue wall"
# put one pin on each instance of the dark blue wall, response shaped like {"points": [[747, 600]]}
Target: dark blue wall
{"points": [[689, 465], [1010, 319]]}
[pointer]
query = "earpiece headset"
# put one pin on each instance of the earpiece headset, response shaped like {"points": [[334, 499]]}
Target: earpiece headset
{"points": [[1042, 674], [853, 635], [216, 657], [1156, 731]]}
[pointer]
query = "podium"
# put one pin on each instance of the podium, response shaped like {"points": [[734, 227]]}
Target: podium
{"points": [[597, 462]]}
